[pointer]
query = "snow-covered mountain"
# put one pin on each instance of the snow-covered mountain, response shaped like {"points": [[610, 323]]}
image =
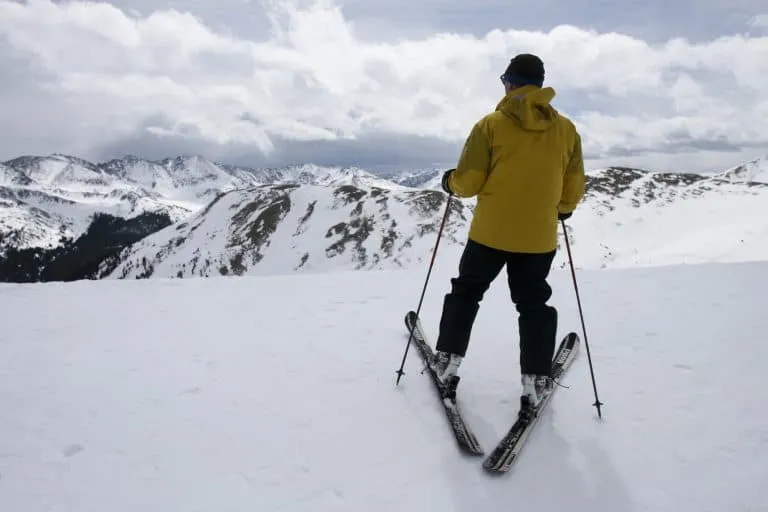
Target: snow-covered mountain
{"points": [[418, 178], [43, 199], [629, 217], [755, 171], [310, 174], [289, 227], [237, 220]]}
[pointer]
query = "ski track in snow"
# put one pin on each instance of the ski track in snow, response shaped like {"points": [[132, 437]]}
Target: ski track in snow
{"points": [[277, 394]]}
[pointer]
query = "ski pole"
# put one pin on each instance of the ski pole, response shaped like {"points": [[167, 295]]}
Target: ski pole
{"points": [[597, 403], [400, 372]]}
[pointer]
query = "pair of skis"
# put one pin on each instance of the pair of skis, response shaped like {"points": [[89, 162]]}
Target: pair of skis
{"points": [[508, 448]]}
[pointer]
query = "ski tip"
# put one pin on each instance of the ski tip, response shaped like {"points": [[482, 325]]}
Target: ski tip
{"points": [[569, 343], [571, 339], [496, 467]]}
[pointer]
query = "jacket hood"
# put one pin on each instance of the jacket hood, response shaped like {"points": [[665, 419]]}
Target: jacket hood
{"points": [[530, 107]]}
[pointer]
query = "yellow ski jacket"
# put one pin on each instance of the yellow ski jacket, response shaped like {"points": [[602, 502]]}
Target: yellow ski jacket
{"points": [[524, 163]]}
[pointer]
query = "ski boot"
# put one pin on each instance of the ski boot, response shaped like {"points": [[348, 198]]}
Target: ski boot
{"points": [[446, 366], [535, 389]]}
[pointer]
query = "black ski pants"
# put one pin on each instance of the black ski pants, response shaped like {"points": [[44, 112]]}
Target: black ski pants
{"points": [[527, 278]]}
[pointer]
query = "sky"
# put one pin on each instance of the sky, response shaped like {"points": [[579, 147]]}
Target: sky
{"points": [[666, 85]]}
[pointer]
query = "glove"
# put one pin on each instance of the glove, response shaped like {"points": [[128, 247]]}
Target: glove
{"points": [[444, 182], [564, 216]]}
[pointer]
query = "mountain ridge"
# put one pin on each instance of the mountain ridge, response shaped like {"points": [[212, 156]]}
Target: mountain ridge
{"points": [[372, 228], [48, 200], [31, 187]]}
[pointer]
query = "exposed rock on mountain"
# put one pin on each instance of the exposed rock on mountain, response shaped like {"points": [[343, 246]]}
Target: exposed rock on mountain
{"points": [[232, 221]]}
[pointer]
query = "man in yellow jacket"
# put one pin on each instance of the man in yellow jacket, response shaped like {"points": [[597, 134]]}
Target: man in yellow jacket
{"points": [[524, 163]]}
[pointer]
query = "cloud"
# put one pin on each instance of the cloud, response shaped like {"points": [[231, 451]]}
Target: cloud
{"points": [[110, 78], [372, 151], [760, 21]]}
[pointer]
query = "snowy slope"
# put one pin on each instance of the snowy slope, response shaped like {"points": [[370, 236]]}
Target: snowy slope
{"points": [[418, 178], [660, 219], [285, 228], [755, 171], [277, 394], [11, 176], [45, 198], [54, 197], [629, 217], [192, 180], [310, 174]]}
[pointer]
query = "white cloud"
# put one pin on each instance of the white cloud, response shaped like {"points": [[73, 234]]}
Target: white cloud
{"points": [[312, 77]]}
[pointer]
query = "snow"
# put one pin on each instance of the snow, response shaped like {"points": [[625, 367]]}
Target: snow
{"points": [[277, 394], [62, 193], [310, 174], [716, 225], [9, 176], [316, 221], [418, 178], [645, 223], [754, 171]]}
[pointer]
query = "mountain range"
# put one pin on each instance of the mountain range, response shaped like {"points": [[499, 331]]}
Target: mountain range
{"points": [[232, 220], [45, 199]]}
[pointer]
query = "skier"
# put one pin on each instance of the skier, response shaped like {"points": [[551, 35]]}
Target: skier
{"points": [[524, 163]]}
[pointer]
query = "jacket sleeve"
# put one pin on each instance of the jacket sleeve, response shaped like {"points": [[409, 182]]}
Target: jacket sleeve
{"points": [[472, 170], [574, 180]]}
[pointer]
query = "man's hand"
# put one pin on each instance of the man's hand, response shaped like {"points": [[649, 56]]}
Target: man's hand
{"points": [[564, 216], [444, 182]]}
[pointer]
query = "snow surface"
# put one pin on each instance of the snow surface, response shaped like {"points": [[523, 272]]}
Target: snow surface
{"points": [[627, 219], [720, 224], [755, 171], [45, 198], [277, 394], [310, 174], [316, 232]]}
